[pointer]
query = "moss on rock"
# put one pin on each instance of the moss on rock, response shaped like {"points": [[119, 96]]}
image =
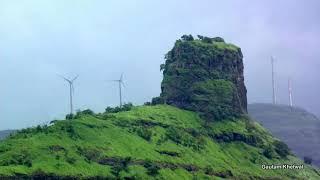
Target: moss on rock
{"points": [[205, 75]]}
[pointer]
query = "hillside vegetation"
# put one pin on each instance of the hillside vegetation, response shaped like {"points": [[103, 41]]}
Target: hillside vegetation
{"points": [[161, 142], [295, 126]]}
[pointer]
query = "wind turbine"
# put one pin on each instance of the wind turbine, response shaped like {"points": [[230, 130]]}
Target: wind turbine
{"points": [[71, 87], [290, 92], [274, 97], [120, 82]]}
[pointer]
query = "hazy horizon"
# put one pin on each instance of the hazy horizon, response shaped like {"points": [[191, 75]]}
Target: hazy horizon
{"points": [[98, 40]]}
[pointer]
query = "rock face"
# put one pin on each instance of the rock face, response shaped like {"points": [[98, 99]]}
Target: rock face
{"points": [[205, 75]]}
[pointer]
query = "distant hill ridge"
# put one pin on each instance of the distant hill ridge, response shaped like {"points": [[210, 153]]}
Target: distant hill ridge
{"points": [[5, 133], [297, 127]]}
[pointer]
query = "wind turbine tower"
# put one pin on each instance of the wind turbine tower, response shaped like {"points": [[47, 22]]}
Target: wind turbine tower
{"points": [[290, 92], [274, 98], [71, 88], [120, 82]]}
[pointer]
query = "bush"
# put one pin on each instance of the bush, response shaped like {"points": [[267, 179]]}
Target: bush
{"points": [[88, 112], [69, 116], [147, 104], [56, 148], [281, 148], [180, 136], [232, 136], [209, 170], [152, 169], [157, 100], [69, 129], [39, 174], [90, 154], [218, 39], [307, 160], [71, 160], [84, 112], [121, 165], [187, 38], [22, 157], [125, 107], [145, 133], [205, 39], [268, 152]]}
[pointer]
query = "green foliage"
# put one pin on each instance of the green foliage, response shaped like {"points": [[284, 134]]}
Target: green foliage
{"points": [[70, 116], [233, 137], [90, 154], [125, 107], [39, 174], [204, 75], [187, 38], [70, 130], [28, 132], [86, 112], [218, 39], [282, 149], [162, 66], [269, 152], [22, 157], [184, 138], [152, 169], [121, 165], [157, 100], [206, 40], [210, 40], [144, 132], [106, 148], [213, 99]]}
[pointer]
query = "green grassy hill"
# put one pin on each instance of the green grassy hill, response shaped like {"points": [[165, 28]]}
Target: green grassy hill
{"points": [[295, 126], [160, 142]]}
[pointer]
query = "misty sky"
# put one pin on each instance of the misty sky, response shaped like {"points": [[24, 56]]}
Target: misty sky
{"points": [[100, 39]]}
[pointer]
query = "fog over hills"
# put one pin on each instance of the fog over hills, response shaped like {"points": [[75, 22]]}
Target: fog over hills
{"points": [[99, 40], [5, 133], [295, 126]]}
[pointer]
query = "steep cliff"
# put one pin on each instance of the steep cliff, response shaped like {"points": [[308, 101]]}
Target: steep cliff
{"points": [[205, 75]]}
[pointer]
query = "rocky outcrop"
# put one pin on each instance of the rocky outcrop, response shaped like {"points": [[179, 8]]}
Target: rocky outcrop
{"points": [[205, 75]]}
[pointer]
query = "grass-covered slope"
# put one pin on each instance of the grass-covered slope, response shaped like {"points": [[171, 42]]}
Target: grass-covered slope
{"points": [[147, 142], [295, 126]]}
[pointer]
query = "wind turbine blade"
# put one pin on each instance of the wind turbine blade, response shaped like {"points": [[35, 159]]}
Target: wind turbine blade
{"points": [[75, 78], [64, 78], [121, 77]]}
